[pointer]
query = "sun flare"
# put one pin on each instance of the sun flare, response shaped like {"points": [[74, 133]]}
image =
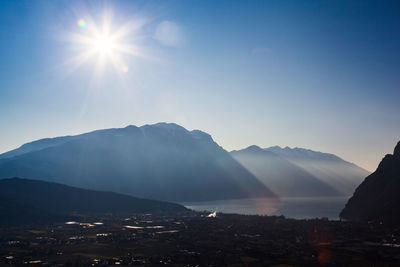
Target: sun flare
{"points": [[105, 43]]}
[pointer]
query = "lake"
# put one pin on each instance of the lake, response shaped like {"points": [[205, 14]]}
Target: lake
{"points": [[299, 208]]}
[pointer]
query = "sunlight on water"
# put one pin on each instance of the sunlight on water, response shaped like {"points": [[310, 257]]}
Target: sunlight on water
{"points": [[259, 206], [299, 208]]}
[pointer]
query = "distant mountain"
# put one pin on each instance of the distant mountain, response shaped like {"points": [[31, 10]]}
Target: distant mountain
{"points": [[341, 175], [378, 197], [161, 161], [280, 175], [28, 201]]}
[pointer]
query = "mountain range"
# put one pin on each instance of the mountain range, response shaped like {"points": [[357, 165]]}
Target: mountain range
{"points": [[32, 201], [299, 172], [280, 175], [164, 161], [330, 169], [378, 198], [161, 161]]}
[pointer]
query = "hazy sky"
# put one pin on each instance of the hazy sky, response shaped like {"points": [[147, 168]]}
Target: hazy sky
{"points": [[323, 75]]}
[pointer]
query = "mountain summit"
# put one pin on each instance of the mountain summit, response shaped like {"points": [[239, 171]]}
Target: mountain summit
{"points": [[378, 198], [161, 161], [396, 152]]}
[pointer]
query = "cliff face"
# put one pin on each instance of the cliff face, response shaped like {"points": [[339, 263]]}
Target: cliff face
{"points": [[378, 197]]}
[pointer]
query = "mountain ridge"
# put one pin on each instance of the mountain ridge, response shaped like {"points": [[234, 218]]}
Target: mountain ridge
{"points": [[301, 151], [48, 142]]}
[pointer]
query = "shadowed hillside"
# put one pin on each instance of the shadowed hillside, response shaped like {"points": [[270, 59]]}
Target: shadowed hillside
{"points": [[28, 201]]}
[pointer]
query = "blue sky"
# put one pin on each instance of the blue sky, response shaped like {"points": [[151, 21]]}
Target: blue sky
{"points": [[317, 74]]}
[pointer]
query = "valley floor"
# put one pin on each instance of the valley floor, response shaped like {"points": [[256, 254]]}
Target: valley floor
{"points": [[193, 239]]}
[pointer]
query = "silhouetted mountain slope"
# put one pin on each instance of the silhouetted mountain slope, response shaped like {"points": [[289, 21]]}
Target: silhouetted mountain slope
{"points": [[14, 212], [33, 200], [280, 175], [378, 197], [341, 175], [160, 161]]}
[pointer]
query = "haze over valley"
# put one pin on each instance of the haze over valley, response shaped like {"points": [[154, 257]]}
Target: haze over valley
{"points": [[199, 133]]}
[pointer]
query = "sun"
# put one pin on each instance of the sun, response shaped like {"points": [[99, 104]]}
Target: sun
{"points": [[105, 43]]}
